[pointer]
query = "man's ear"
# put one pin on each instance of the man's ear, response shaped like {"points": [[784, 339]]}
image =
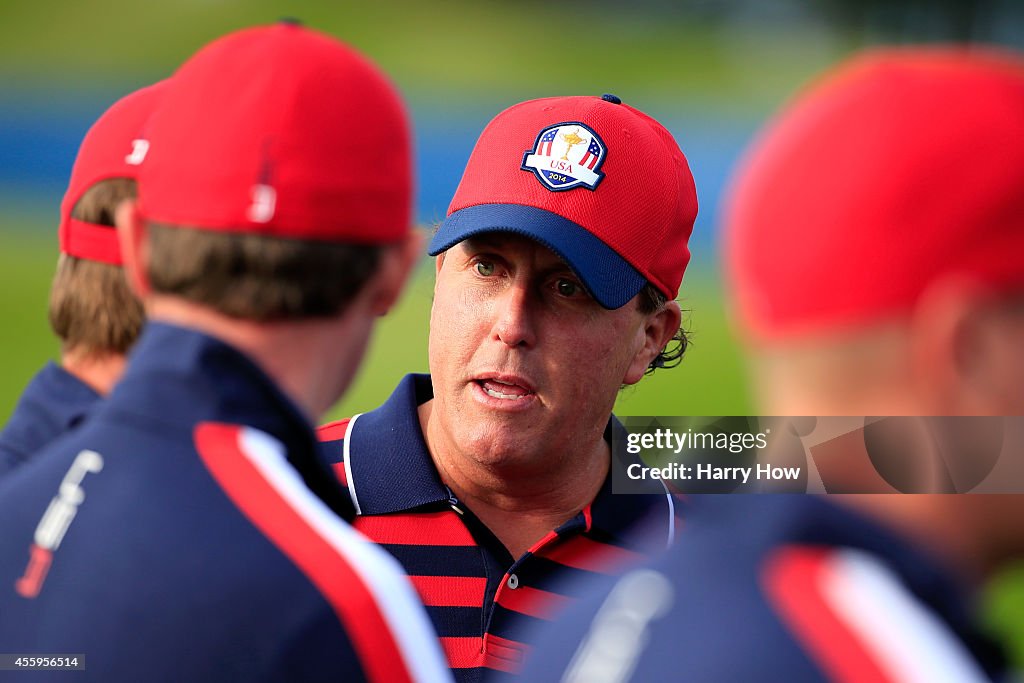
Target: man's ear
{"points": [[134, 242], [396, 264], [658, 329], [951, 347]]}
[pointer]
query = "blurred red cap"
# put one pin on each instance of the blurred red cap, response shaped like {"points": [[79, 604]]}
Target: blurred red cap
{"points": [[112, 148], [900, 167], [280, 131]]}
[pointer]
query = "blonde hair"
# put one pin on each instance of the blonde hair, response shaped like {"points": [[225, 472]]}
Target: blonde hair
{"points": [[92, 309]]}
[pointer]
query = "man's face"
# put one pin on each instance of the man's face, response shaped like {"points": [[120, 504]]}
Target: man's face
{"points": [[525, 364]]}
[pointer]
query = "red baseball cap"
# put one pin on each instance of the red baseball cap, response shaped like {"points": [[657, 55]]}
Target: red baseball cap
{"points": [[280, 131], [596, 181], [899, 167], [112, 148]]}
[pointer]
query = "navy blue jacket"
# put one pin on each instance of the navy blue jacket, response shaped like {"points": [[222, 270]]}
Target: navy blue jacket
{"points": [[52, 403], [773, 588], [188, 532]]}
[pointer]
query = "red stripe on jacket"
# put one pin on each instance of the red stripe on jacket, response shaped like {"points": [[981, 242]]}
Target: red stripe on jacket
{"points": [[333, 431], [792, 580], [340, 584]]}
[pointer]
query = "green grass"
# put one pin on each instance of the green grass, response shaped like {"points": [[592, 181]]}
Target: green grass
{"points": [[490, 49], [1003, 609], [26, 266]]}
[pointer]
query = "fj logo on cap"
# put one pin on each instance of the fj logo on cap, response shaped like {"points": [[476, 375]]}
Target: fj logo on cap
{"points": [[264, 199], [138, 154], [566, 155]]}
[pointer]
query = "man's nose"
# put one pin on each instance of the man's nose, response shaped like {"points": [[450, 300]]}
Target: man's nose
{"points": [[515, 317]]}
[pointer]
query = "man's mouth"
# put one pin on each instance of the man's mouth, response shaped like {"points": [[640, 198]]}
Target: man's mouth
{"points": [[507, 391]]}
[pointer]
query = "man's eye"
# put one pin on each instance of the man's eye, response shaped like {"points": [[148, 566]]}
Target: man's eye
{"points": [[484, 268], [567, 287]]}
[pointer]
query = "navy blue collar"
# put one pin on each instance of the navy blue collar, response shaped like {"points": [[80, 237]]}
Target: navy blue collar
{"points": [[54, 402], [65, 397], [617, 514], [179, 377], [391, 469]]}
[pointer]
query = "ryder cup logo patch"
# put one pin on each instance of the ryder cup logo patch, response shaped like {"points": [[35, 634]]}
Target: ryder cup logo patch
{"points": [[566, 155]]}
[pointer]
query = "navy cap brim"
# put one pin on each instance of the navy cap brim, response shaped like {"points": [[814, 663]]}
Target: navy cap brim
{"points": [[609, 278]]}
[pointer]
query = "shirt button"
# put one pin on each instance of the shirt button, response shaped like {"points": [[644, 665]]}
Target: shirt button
{"points": [[513, 581]]}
